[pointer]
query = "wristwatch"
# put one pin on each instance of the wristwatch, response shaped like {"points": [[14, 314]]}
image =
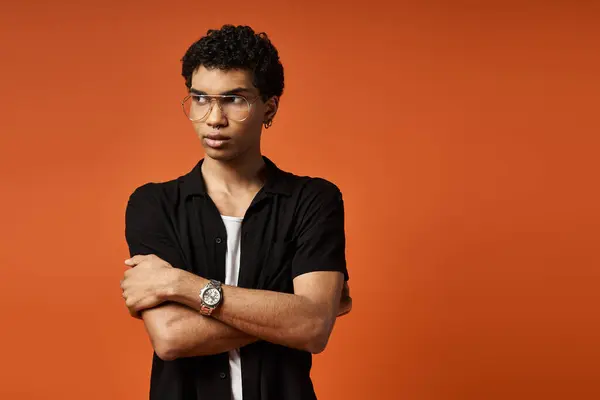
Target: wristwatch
{"points": [[210, 296]]}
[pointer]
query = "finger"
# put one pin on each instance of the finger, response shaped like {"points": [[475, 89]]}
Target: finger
{"points": [[134, 305], [135, 314], [346, 290], [137, 259], [146, 303], [133, 260], [130, 302]]}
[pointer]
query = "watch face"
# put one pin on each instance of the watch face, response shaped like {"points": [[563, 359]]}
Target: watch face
{"points": [[211, 296]]}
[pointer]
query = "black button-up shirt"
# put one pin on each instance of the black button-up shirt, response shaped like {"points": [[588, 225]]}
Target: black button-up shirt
{"points": [[294, 225]]}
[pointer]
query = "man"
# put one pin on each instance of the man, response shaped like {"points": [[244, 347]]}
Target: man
{"points": [[239, 267]]}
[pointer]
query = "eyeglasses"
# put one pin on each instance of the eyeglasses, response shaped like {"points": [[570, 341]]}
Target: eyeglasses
{"points": [[197, 107]]}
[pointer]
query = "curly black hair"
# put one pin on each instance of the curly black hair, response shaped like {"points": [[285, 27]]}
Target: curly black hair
{"points": [[237, 47]]}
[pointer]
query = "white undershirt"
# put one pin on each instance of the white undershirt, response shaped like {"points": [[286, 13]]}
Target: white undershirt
{"points": [[232, 272]]}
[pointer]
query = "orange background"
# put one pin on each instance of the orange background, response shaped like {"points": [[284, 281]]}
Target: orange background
{"points": [[465, 140]]}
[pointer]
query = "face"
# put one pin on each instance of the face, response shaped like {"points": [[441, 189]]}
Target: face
{"points": [[224, 138]]}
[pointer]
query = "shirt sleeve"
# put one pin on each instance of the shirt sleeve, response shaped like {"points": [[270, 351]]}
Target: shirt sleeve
{"points": [[145, 227], [321, 242]]}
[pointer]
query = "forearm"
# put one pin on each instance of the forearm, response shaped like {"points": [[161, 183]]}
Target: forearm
{"points": [[178, 331], [287, 319]]}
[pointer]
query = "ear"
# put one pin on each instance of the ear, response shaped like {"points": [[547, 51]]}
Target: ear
{"points": [[271, 107]]}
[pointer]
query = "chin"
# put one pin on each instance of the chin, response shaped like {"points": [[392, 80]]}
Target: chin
{"points": [[220, 155]]}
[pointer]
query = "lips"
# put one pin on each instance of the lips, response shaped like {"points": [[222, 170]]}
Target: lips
{"points": [[215, 140], [216, 136]]}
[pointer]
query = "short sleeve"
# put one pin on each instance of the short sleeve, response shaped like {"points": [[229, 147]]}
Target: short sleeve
{"points": [[321, 241], [145, 227]]}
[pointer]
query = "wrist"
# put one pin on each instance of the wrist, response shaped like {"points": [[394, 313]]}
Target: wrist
{"points": [[171, 286], [211, 297], [185, 288]]}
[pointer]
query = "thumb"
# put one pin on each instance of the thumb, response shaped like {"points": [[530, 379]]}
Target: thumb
{"points": [[136, 259]]}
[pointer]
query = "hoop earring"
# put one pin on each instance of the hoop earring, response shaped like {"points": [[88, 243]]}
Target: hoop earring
{"points": [[268, 124]]}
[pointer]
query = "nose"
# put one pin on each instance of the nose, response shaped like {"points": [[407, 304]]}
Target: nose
{"points": [[215, 114]]}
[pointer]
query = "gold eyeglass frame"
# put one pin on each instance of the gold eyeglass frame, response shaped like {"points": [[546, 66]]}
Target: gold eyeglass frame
{"points": [[212, 97]]}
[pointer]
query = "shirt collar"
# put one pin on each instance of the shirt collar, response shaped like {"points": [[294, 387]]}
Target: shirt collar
{"points": [[277, 181]]}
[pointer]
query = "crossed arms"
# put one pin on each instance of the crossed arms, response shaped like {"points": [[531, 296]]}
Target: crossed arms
{"points": [[303, 320], [167, 300]]}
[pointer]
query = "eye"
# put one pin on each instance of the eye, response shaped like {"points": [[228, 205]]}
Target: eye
{"points": [[199, 99], [234, 100]]}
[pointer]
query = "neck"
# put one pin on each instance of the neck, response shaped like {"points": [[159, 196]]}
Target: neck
{"points": [[240, 174]]}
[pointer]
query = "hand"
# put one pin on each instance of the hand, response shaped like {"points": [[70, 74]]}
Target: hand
{"points": [[345, 301], [147, 284]]}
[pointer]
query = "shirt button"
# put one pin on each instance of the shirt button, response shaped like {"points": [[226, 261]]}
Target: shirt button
{"points": [[222, 375], [218, 240]]}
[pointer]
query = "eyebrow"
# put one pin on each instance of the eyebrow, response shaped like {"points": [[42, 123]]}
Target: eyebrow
{"points": [[237, 90]]}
